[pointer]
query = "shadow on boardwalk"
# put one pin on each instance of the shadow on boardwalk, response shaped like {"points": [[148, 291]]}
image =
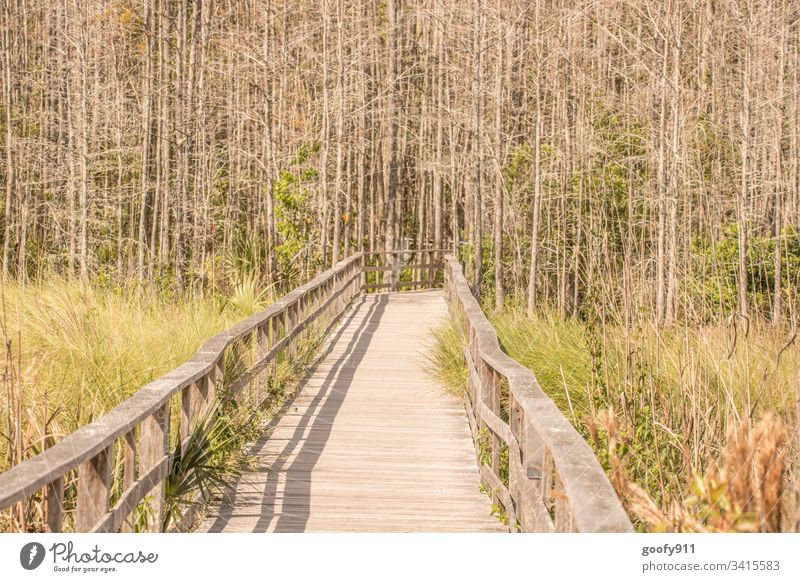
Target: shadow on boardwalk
{"points": [[310, 439]]}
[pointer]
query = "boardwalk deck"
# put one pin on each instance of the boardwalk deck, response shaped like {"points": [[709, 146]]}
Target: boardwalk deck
{"points": [[371, 443]]}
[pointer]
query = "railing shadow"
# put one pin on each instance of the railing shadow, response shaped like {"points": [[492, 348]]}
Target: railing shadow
{"points": [[310, 436]]}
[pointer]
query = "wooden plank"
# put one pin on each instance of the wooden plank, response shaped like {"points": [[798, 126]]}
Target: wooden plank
{"points": [[399, 284], [381, 268], [190, 398], [129, 473]]}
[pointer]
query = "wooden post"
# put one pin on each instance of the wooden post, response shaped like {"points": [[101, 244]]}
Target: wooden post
{"points": [[563, 514], [395, 271], [189, 405], [363, 279], [262, 347], [272, 339], [94, 487], [288, 324], [154, 446], [55, 505], [129, 473]]}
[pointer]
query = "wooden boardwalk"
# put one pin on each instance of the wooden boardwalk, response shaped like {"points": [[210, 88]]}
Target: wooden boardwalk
{"points": [[371, 443]]}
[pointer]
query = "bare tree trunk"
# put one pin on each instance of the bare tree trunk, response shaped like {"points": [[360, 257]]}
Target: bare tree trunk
{"points": [[499, 289], [477, 144], [537, 163]]}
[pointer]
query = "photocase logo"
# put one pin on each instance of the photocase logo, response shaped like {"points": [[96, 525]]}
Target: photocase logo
{"points": [[31, 555]]}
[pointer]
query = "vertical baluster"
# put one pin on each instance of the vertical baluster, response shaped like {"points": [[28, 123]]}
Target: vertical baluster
{"points": [[190, 397], [337, 285], [563, 514], [489, 388], [154, 446], [286, 328], [548, 469], [272, 335], [55, 505], [302, 312], [535, 481], [262, 347], [362, 280], [514, 460], [395, 271], [94, 487], [129, 473], [423, 273], [207, 391]]}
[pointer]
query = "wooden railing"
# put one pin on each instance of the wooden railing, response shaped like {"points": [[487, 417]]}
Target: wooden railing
{"points": [[143, 425], [532, 460], [403, 270]]}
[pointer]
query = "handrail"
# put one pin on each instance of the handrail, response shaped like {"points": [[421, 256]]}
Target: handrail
{"points": [[555, 482], [90, 448]]}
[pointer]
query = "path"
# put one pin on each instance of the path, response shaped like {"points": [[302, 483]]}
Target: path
{"points": [[371, 443]]}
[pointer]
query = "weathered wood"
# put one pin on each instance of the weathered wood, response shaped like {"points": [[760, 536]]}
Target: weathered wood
{"points": [[55, 505], [198, 379], [25, 479], [154, 449], [94, 487], [189, 406], [394, 286], [117, 516], [371, 443], [550, 440], [129, 474], [381, 268], [549, 464]]}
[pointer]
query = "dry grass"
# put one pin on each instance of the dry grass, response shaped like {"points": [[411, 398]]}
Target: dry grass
{"points": [[74, 351], [695, 425]]}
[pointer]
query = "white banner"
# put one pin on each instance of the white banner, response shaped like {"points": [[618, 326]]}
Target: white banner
{"points": [[406, 557]]}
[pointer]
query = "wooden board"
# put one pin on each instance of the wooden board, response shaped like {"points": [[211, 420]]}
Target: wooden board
{"points": [[371, 443]]}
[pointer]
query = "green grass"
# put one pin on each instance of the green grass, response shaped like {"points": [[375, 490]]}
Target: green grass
{"points": [[74, 351], [660, 407]]}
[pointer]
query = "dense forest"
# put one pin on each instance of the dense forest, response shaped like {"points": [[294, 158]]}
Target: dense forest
{"points": [[640, 158]]}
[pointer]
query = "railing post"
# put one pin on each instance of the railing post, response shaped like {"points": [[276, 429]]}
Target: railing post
{"points": [[272, 339], [395, 271], [262, 347], [363, 267], [55, 505], [189, 405], [562, 513], [536, 465], [207, 388], [155, 443], [287, 327], [94, 487]]}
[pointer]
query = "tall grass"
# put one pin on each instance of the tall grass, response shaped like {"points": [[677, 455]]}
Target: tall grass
{"points": [[73, 351], [676, 416]]}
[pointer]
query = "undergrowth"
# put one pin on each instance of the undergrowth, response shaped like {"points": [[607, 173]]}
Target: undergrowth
{"points": [[695, 426]]}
